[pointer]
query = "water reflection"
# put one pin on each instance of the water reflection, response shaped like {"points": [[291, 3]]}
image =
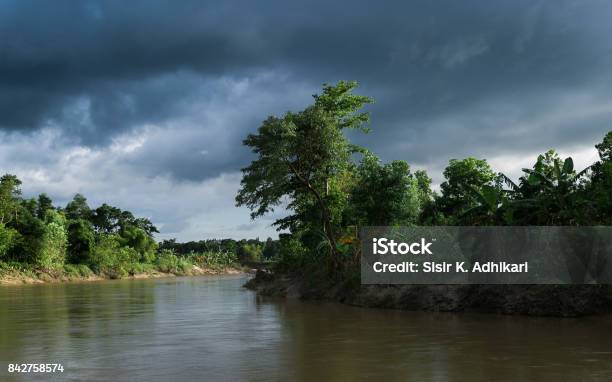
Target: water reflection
{"points": [[209, 328]]}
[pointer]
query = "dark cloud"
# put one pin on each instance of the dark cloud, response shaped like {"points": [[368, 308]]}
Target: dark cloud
{"points": [[419, 58]]}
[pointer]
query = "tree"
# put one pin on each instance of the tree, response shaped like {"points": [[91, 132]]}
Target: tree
{"points": [[81, 241], [302, 157], [462, 178], [385, 194], [78, 208], [110, 258], [271, 248], [604, 149], [44, 204], [9, 198], [249, 252], [599, 190], [492, 208], [424, 186], [53, 243], [8, 237], [146, 225], [549, 192], [141, 241], [106, 218]]}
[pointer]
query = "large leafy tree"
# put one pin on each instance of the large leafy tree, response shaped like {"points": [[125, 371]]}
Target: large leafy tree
{"points": [[44, 204], [107, 219], [78, 208], [548, 193], [9, 198], [386, 194], [599, 190], [304, 157], [81, 240], [9, 210], [51, 251], [464, 179]]}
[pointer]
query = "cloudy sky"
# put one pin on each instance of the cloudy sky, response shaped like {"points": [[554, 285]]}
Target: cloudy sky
{"points": [[143, 104]]}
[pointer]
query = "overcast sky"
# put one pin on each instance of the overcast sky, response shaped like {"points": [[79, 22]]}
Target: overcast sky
{"points": [[143, 104]]}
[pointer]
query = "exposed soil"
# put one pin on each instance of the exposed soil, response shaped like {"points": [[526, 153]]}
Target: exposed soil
{"points": [[41, 277], [535, 300]]}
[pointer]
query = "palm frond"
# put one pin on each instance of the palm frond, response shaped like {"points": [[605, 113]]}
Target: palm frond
{"points": [[509, 182]]}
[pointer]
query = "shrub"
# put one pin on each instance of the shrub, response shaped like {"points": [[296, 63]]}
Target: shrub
{"points": [[77, 270], [110, 258], [52, 249], [214, 260], [143, 243], [293, 255], [136, 268], [81, 241], [168, 262], [250, 252], [8, 238]]}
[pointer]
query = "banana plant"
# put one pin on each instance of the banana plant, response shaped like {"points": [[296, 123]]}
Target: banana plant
{"points": [[548, 191], [493, 207]]}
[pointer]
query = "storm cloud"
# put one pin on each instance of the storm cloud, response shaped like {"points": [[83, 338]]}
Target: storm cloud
{"points": [[154, 97]]}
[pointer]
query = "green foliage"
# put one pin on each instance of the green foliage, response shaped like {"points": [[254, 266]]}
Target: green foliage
{"points": [[9, 198], [110, 258], [604, 149], [250, 253], [293, 255], [39, 236], [271, 249], [78, 209], [384, 194], [137, 268], [81, 241], [51, 252], [8, 237], [462, 179], [305, 156], [77, 270], [168, 262], [44, 204], [305, 162], [139, 240], [214, 260]]}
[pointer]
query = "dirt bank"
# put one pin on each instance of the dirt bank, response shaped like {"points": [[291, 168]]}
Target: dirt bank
{"points": [[18, 277], [535, 300]]}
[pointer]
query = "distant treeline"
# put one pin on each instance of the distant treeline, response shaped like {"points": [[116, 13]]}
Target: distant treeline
{"points": [[305, 162], [79, 240], [251, 250]]}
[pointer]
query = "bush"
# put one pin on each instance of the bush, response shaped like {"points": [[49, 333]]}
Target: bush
{"points": [[250, 252], [110, 258], [214, 260], [77, 270], [52, 249], [8, 238], [136, 268], [293, 255], [81, 241], [143, 243], [168, 262]]}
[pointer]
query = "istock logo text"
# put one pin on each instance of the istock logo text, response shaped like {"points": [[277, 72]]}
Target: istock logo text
{"points": [[383, 246]]}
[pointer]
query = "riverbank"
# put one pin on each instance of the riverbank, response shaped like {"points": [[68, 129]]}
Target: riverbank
{"points": [[532, 300], [84, 274]]}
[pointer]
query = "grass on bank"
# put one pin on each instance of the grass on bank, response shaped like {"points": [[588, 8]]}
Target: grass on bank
{"points": [[120, 266]]}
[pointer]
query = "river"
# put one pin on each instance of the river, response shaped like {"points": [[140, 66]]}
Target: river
{"points": [[211, 329]]}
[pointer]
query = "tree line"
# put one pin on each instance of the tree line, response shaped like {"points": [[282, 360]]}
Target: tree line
{"points": [[35, 232], [77, 240], [245, 250], [331, 187]]}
